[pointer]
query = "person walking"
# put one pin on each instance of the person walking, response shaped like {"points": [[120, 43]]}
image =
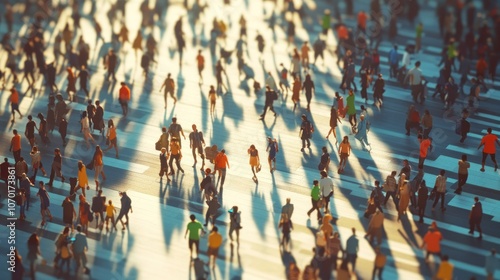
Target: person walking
{"points": [[43, 128], [15, 145], [362, 133], [440, 189], [126, 207], [218, 75], [175, 154], [378, 90], [110, 215], [25, 185], [196, 142], [234, 224], [376, 196], [62, 251], [84, 214], [271, 95], [325, 161], [390, 188], [475, 216], [415, 81], [432, 241], [98, 207], [254, 161], [351, 110], [423, 195], [426, 124], [175, 130], [287, 209], [306, 130], [21, 167], [308, 87], [296, 88], [111, 139], [488, 141], [44, 202], [79, 248], [412, 119], [110, 61], [71, 88], [98, 166], [98, 118], [124, 98], [14, 104], [404, 196], [63, 130], [212, 97], [326, 186], [375, 227], [463, 173], [352, 248], [286, 226], [83, 181], [491, 264], [393, 62], [85, 129], [169, 86], [214, 243], [30, 131], [164, 155], [464, 128], [194, 227], [316, 200], [379, 263], [445, 270], [213, 208], [272, 149], [425, 147], [56, 167], [33, 252], [334, 119], [36, 161], [345, 152], [84, 77], [221, 163], [200, 61], [69, 213]]}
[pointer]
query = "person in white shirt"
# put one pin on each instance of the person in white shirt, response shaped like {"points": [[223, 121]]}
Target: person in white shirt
{"points": [[440, 187], [405, 62], [86, 129], [326, 187], [415, 80]]}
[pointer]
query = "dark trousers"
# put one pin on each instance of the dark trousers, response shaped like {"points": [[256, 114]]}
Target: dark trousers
{"points": [[352, 259], [464, 135], [393, 71], [421, 212], [120, 216], [304, 141], [314, 207], [439, 195], [207, 218], [421, 161], [473, 225], [426, 132], [270, 107], [177, 162], [417, 93], [485, 155], [462, 179], [377, 270], [352, 120], [394, 199], [17, 155]]}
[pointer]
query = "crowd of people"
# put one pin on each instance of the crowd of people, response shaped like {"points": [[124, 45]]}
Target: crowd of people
{"points": [[357, 52]]}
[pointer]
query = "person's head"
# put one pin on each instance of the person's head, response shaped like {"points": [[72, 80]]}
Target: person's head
{"points": [[110, 202], [493, 251], [235, 209], [97, 102], [34, 150], [288, 200], [79, 228], [362, 117], [346, 139], [163, 150], [423, 184], [323, 174], [223, 151], [337, 94], [192, 217], [40, 116], [215, 229], [442, 172], [351, 92], [420, 138], [199, 51], [252, 147], [353, 231], [303, 117], [84, 114], [57, 151], [66, 231], [362, 107], [377, 183], [80, 165], [324, 149], [30, 117], [489, 130], [405, 162], [169, 75], [476, 199], [99, 192], [193, 127], [208, 171], [174, 119], [122, 84], [97, 148], [5, 160], [464, 157], [33, 240], [417, 64], [14, 131]]}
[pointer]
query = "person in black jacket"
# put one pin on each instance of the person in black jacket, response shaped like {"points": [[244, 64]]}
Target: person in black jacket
{"points": [[464, 125], [63, 129], [378, 90], [423, 194], [475, 216], [270, 97], [84, 77], [110, 64]]}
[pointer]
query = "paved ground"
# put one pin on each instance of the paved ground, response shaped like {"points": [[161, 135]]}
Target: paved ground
{"points": [[154, 247]]}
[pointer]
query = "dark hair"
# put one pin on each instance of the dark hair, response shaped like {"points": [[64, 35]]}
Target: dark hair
{"points": [[464, 157], [489, 130], [315, 182], [442, 172], [417, 64], [192, 217]]}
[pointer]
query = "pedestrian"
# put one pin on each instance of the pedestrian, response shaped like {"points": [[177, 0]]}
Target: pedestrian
{"points": [[412, 120], [379, 263], [351, 110], [491, 263], [306, 131], [124, 98], [349, 75], [111, 139], [126, 207], [333, 249], [98, 166], [61, 109], [218, 75], [62, 251], [30, 131], [98, 207], [235, 224], [69, 213], [425, 147], [85, 129], [175, 154], [326, 21], [475, 216], [283, 83], [326, 186], [21, 167], [272, 149], [319, 47], [286, 227], [352, 248], [221, 163], [63, 130], [419, 30], [214, 243], [334, 119], [91, 110], [84, 214], [445, 270], [98, 118], [110, 215], [488, 141], [406, 170], [440, 189], [110, 61], [426, 124], [376, 196], [414, 185], [36, 161], [213, 208], [175, 130], [464, 126], [362, 132], [212, 97], [25, 186], [196, 142], [44, 202], [316, 200], [378, 90], [404, 196], [163, 164], [84, 77], [308, 87], [432, 241], [79, 248], [365, 83], [194, 228], [393, 62], [15, 145], [325, 161], [163, 140], [305, 54], [43, 128], [83, 181], [71, 89], [415, 81], [287, 209], [375, 227], [422, 200], [296, 91], [200, 61], [344, 152], [33, 252], [451, 89], [254, 161], [339, 100], [271, 95], [137, 43], [463, 173], [390, 188], [169, 86]]}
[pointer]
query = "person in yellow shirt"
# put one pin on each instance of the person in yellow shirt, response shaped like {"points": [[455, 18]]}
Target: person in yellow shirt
{"points": [[445, 271], [110, 214], [214, 242], [83, 180]]}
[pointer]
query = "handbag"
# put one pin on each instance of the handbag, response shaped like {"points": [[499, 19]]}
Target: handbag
{"points": [[259, 167], [158, 146], [90, 165]]}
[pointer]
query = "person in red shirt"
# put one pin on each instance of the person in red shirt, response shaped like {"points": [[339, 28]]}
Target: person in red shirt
{"points": [[362, 18], [14, 104], [124, 97], [425, 146], [412, 119], [15, 145], [488, 142], [481, 67], [221, 163], [432, 241]]}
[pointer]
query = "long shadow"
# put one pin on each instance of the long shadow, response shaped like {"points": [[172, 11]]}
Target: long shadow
{"points": [[181, 83], [259, 211], [231, 108]]}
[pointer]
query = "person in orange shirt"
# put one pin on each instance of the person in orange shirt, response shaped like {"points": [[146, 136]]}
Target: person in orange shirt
{"points": [[111, 137], [425, 146], [14, 104], [362, 18], [15, 145], [305, 55], [124, 97], [488, 142], [221, 163], [481, 67], [98, 166], [201, 65], [433, 241]]}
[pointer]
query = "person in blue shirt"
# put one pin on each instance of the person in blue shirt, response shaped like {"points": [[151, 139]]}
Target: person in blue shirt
{"points": [[352, 248], [393, 62]]}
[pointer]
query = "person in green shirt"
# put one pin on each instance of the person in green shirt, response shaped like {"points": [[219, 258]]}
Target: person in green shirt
{"points": [[418, 40], [315, 199], [326, 21], [351, 109], [194, 228]]}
